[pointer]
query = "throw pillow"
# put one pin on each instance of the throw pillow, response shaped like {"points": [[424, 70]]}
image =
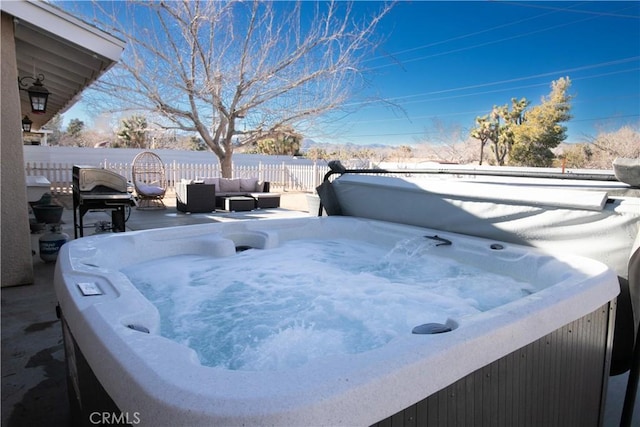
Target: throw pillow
{"points": [[229, 185], [248, 184]]}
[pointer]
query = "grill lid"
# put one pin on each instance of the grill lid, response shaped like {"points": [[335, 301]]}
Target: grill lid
{"points": [[94, 179]]}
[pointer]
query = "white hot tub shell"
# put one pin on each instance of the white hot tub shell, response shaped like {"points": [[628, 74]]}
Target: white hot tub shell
{"points": [[155, 381]]}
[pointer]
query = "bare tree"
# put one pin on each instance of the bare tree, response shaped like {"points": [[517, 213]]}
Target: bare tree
{"points": [[204, 66], [607, 146], [444, 143], [316, 153], [402, 153]]}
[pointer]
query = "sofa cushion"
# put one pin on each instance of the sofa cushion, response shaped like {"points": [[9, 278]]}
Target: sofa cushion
{"points": [[150, 190], [229, 185], [248, 184], [214, 181]]}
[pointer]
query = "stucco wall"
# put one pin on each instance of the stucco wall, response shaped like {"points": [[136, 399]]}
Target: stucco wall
{"points": [[16, 266]]}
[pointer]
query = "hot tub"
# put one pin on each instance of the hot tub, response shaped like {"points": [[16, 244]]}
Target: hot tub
{"points": [[434, 345]]}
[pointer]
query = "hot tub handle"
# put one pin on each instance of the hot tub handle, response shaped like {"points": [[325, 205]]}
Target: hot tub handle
{"points": [[442, 241], [139, 328]]}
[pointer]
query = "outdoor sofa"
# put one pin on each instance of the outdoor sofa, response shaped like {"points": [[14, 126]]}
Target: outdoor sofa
{"points": [[209, 194]]}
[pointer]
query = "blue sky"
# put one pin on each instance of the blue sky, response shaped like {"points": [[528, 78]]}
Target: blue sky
{"points": [[441, 64]]}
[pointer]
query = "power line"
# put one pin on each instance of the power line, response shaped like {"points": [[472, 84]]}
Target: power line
{"points": [[462, 49], [520, 87], [499, 82], [588, 12], [423, 132], [460, 113], [464, 36], [593, 119], [491, 42]]}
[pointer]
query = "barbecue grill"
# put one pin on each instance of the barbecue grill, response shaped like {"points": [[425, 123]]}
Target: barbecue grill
{"points": [[99, 189]]}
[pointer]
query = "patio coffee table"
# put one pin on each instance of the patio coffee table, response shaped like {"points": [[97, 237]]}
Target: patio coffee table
{"points": [[239, 203]]}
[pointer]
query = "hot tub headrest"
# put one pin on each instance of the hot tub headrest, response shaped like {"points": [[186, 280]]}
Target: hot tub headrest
{"points": [[329, 199]]}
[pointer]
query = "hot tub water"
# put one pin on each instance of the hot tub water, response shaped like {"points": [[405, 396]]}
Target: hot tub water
{"points": [[279, 308]]}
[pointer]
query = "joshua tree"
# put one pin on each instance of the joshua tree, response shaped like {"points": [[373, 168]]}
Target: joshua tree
{"points": [[497, 129], [133, 132], [525, 137], [281, 141]]}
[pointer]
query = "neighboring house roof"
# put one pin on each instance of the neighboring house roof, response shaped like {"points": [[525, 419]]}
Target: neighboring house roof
{"points": [[70, 53]]}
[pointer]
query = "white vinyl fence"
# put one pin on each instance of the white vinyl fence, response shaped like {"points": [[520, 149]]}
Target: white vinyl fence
{"points": [[284, 177]]}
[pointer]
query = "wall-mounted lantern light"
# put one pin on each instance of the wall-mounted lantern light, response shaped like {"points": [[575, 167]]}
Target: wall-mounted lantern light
{"points": [[38, 94], [26, 124]]}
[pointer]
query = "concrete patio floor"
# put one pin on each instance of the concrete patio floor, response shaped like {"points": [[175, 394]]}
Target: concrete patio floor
{"points": [[34, 390]]}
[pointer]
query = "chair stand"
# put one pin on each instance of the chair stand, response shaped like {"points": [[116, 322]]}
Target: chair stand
{"points": [[146, 203]]}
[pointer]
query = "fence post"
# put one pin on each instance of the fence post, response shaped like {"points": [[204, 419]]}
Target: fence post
{"points": [[175, 174], [284, 177]]}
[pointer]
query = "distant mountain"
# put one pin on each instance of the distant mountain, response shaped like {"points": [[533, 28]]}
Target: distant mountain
{"points": [[308, 143]]}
